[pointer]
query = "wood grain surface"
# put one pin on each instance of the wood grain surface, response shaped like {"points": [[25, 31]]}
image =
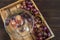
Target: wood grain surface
{"points": [[51, 12], [6, 2]]}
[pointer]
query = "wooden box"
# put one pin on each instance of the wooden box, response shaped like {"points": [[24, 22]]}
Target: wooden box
{"points": [[13, 8]]}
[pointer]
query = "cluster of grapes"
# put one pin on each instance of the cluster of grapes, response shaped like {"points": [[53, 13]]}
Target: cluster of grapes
{"points": [[27, 5], [41, 34], [41, 31], [15, 21]]}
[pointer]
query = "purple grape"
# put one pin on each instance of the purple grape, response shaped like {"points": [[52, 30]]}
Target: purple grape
{"points": [[39, 34], [13, 18], [41, 29], [7, 22], [29, 3], [34, 10], [49, 34], [45, 28], [39, 38], [36, 13], [30, 6]]}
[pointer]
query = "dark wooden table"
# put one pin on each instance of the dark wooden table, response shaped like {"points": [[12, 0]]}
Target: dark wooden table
{"points": [[51, 12]]}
